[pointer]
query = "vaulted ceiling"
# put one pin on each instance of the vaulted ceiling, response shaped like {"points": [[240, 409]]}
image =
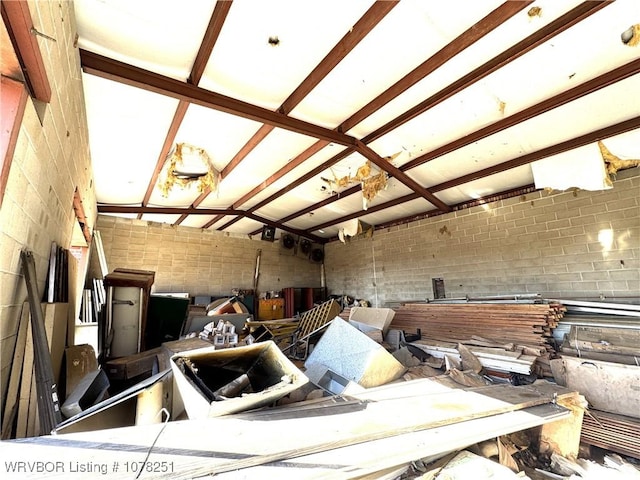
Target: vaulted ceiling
{"points": [[305, 107]]}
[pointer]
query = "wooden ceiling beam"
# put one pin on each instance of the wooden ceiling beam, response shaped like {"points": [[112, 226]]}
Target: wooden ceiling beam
{"points": [[17, 18], [534, 40], [575, 93], [357, 33], [596, 135], [402, 177], [204, 211], [170, 138], [470, 36], [557, 26], [111, 69], [307, 176], [592, 137], [211, 34]]}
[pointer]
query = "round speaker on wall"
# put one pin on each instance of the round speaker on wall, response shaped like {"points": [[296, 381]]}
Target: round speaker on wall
{"points": [[317, 255], [305, 246], [288, 241]]}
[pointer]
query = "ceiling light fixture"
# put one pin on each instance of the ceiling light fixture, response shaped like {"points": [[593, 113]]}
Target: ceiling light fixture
{"points": [[188, 165]]}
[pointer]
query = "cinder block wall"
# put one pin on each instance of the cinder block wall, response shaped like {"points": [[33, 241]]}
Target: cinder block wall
{"points": [[51, 159], [201, 262], [570, 244]]}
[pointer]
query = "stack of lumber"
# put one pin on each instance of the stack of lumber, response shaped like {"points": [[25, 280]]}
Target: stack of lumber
{"points": [[517, 336], [526, 323], [619, 433]]}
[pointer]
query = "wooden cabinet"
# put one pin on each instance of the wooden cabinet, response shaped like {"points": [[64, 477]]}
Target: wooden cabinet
{"points": [[271, 309]]}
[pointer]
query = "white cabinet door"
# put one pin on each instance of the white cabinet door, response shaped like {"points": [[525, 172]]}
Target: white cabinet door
{"points": [[125, 320]]}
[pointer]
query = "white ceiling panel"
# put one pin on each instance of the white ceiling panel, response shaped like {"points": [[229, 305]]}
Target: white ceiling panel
{"points": [[157, 35], [254, 55], [123, 122], [267, 48]]}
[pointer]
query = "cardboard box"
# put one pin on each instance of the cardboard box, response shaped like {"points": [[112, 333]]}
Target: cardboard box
{"points": [[202, 374], [379, 318]]}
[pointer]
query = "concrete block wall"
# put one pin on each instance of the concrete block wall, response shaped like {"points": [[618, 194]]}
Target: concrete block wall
{"points": [[201, 262], [51, 159], [557, 244]]}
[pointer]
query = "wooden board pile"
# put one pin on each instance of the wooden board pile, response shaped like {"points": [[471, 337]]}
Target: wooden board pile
{"points": [[610, 431], [526, 323], [506, 337]]}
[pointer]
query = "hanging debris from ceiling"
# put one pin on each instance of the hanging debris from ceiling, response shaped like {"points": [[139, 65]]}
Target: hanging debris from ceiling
{"points": [[354, 228], [189, 165], [613, 163], [371, 183], [534, 12], [631, 36]]}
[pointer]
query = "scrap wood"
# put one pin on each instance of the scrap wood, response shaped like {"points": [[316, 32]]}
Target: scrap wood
{"points": [[490, 358], [467, 378], [505, 456], [24, 401], [469, 360], [413, 414], [49, 413], [13, 390]]}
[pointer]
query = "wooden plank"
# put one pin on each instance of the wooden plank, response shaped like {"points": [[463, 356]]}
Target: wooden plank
{"points": [[48, 402], [25, 384], [56, 320], [373, 422], [99, 248], [13, 389], [244, 434]]}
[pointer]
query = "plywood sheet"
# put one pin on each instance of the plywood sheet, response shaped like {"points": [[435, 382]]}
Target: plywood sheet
{"points": [[345, 440]]}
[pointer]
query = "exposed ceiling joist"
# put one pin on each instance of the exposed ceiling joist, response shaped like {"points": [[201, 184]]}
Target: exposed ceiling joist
{"points": [[388, 79]]}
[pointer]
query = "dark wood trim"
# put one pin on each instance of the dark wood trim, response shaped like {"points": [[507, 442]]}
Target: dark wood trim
{"points": [[464, 40], [110, 69], [359, 31], [181, 111], [220, 12], [13, 101], [534, 40], [19, 24], [556, 101], [394, 171]]}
